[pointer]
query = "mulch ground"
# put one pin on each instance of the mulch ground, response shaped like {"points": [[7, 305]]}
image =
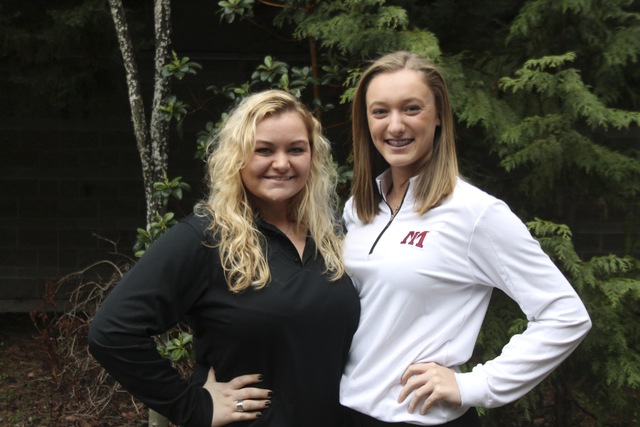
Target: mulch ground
{"points": [[31, 396]]}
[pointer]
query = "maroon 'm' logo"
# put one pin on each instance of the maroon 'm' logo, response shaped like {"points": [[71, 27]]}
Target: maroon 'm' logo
{"points": [[415, 238]]}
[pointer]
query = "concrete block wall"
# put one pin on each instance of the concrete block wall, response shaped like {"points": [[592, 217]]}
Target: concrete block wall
{"points": [[68, 188], [595, 236], [599, 227]]}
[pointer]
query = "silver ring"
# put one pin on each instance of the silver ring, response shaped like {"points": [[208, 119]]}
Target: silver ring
{"points": [[240, 405]]}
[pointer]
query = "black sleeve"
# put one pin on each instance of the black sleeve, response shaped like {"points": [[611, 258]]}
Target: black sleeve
{"points": [[153, 297]]}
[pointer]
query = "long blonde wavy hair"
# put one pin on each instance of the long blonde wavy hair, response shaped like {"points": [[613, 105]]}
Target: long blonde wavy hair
{"points": [[241, 245], [437, 178]]}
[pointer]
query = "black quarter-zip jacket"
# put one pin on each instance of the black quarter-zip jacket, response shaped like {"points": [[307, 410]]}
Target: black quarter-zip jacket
{"points": [[296, 331]]}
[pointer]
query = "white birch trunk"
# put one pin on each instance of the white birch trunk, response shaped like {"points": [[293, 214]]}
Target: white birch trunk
{"points": [[152, 141], [159, 129]]}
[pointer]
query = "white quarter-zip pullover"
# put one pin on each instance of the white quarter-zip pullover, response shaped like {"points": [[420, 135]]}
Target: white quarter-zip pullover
{"points": [[425, 283]]}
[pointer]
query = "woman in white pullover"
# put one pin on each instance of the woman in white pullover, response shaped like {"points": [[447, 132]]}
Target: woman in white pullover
{"points": [[425, 249]]}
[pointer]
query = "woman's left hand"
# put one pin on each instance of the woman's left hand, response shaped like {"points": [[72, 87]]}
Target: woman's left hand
{"points": [[429, 381]]}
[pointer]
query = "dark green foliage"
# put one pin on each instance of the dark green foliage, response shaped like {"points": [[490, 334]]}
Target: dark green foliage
{"points": [[598, 384], [557, 138], [605, 370], [178, 349], [604, 34], [180, 67], [232, 8]]}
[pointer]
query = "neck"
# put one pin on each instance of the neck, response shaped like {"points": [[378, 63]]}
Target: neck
{"points": [[286, 225], [399, 183], [273, 213]]}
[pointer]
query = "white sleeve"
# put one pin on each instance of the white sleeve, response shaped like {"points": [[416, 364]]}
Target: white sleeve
{"points": [[503, 254]]}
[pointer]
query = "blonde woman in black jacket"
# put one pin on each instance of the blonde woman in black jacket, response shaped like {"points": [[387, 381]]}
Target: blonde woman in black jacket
{"points": [[257, 274]]}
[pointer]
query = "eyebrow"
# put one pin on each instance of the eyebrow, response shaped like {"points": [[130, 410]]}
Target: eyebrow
{"points": [[295, 142], [404, 101]]}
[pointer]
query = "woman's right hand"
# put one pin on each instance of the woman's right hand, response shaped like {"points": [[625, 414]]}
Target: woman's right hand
{"points": [[227, 395]]}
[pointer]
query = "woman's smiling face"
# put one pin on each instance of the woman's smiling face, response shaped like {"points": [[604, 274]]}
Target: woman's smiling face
{"points": [[281, 161], [402, 117]]}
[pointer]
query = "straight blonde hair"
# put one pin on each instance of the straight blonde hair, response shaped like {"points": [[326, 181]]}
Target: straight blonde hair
{"points": [[240, 243], [437, 179]]}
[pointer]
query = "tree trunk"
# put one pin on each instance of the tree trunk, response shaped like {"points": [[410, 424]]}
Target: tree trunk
{"points": [[159, 129], [152, 141], [157, 420]]}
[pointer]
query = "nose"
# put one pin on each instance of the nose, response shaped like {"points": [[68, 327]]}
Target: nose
{"points": [[396, 123], [280, 161]]}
